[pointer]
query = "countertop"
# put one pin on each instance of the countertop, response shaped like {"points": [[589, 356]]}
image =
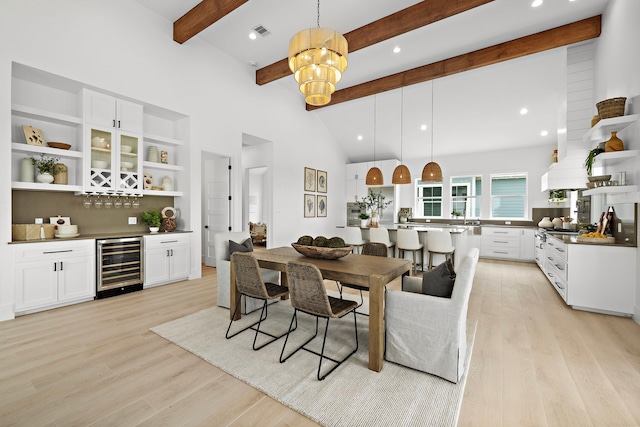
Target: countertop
{"points": [[572, 239], [100, 236]]}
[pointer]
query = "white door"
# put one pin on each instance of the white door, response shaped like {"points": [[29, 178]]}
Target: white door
{"points": [[216, 203]]}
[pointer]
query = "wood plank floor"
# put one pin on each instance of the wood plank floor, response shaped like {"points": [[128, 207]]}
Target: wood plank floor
{"points": [[535, 363]]}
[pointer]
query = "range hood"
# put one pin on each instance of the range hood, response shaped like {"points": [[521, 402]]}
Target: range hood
{"points": [[568, 174]]}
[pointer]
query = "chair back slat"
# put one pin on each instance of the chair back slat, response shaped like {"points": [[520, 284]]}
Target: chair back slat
{"points": [[375, 249], [306, 289], [248, 278]]}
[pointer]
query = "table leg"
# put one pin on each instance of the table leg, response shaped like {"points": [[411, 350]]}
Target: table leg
{"points": [[376, 323], [284, 281], [234, 295]]}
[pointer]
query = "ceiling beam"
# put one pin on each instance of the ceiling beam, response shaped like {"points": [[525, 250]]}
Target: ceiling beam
{"points": [[557, 37], [202, 16], [403, 21]]}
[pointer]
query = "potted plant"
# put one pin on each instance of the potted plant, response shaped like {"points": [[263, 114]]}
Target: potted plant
{"points": [[591, 157], [364, 219], [153, 219], [46, 168]]}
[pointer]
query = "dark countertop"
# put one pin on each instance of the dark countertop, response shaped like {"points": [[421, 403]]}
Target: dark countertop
{"points": [[572, 239], [99, 236]]}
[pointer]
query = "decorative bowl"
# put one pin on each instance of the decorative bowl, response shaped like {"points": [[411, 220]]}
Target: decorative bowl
{"points": [[99, 142], [126, 165], [322, 253], [599, 178], [126, 148], [60, 145], [99, 164]]}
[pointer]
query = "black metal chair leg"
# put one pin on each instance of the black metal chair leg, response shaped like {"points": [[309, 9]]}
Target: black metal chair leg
{"points": [[263, 316]]}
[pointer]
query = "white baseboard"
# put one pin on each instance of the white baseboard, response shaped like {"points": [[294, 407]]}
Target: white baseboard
{"points": [[6, 312]]}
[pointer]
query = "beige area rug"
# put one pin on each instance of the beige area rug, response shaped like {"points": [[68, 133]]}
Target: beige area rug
{"points": [[350, 396]]}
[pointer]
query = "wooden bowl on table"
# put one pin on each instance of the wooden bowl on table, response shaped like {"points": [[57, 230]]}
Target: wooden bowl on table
{"points": [[322, 253]]}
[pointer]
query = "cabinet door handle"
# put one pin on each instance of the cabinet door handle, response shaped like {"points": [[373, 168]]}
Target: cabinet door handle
{"points": [[55, 266], [118, 124], [114, 122], [61, 266], [169, 241], [168, 252], [57, 252], [171, 252], [499, 241]]}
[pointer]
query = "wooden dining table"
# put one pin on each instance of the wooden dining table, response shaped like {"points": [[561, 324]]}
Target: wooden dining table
{"points": [[365, 270]]}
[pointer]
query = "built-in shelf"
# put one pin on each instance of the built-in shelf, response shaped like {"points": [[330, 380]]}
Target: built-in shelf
{"points": [[162, 139], [614, 157], [18, 185], [612, 189], [39, 114], [162, 193], [161, 166], [602, 130], [57, 152]]}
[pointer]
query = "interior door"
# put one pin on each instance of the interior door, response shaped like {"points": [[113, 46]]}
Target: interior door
{"points": [[216, 202]]}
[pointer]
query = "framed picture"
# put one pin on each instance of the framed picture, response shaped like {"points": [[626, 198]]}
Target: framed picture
{"points": [[309, 205], [321, 205], [33, 135], [322, 181], [309, 179]]}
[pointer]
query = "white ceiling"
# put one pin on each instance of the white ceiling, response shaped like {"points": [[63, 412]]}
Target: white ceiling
{"points": [[474, 111]]}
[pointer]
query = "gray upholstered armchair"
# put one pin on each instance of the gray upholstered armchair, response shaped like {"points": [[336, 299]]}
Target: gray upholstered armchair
{"points": [[223, 271], [429, 333]]}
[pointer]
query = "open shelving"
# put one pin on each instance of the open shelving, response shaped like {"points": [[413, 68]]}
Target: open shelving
{"points": [[602, 130]]}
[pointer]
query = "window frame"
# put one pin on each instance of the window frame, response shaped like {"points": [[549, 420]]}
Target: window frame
{"points": [[473, 199], [525, 196], [419, 200]]}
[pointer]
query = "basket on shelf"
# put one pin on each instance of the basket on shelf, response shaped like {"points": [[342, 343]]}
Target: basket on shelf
{"points": [[612, 107]]}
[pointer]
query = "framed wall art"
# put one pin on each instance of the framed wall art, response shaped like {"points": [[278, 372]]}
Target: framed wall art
{"points": [[33, 135], [309, 179], [322, 181], [309, 205], [321, 205]]}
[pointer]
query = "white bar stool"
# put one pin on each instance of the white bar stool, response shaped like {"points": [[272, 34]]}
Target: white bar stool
{"points": [[439, 242], [353, 237], [381, 235], [408, 240]]}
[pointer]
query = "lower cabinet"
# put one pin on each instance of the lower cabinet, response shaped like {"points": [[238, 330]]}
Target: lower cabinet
{"points": [[53, 274], [511, 243], [167, 258]]}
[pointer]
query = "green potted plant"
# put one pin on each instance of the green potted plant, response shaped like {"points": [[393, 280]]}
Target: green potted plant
{"points": [[46, 168], [364, 218], [153, 219], [591, 157]]}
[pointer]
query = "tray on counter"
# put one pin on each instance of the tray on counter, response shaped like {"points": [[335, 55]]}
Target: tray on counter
{"points": [[596, 240]]}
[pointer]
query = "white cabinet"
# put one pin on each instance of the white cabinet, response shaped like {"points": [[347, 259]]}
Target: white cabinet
{"points": [[356, 175], [53, 274], [511, 243], [555, 265], [166, 258], [113, 139], [527, 252]]}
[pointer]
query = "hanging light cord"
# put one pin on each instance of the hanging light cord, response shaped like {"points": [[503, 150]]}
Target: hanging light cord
{"points": [[318, 14], [432, 120], [401, 121], [375, 115]]}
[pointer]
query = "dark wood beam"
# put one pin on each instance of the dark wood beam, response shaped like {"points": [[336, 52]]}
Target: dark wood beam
{"points": [[560, 36], [416, 16], [201, 16]]}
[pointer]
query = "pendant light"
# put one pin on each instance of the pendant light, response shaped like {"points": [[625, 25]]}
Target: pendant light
{"points": [[374, 175], [432, 171], [401, 174]]}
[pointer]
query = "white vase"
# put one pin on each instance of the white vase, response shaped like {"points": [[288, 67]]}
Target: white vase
{"points": [[154, 229], [545, 222], [167, 183], [363, 223], [27, 170], [45, 178], [153, 154]]}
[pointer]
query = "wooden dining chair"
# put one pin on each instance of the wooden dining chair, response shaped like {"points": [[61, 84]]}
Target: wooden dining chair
{"points": [[369, 248]]}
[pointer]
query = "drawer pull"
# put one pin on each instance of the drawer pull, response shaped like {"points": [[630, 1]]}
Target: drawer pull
{"points": [[558, 285], [57, 252], [170, 241], [501, 252], [499, 241]]}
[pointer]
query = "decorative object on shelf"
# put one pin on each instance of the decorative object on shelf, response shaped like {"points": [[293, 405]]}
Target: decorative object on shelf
{"points": [[44, 178], [309, 179], [46, 167], [157, 188], [99, 164], [61, 176], [614, 143], [169, 222], [153, 219], [309, 206], [317, 59], [33, 135], [164, 157], [545, 222], [612, 107], [556, 196], [375, 220], [557, 222], [99, 142], [321, 203], [374, 175], [622, 178], [148, 181], [554, 157], [126, 149], [59, 145], [432, 172], [153, 154], [364, 219], [27, 170], [126, 166], [322, 181], [401, 174], [588, 162], [595, 120], [167, 183], [404, 214]]}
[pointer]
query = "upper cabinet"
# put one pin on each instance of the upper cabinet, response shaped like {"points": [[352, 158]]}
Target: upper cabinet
{"points": [[109, 112]]}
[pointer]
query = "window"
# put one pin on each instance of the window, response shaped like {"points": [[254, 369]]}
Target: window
{"points": [[509, 196], [429, 200], [465, 196]]}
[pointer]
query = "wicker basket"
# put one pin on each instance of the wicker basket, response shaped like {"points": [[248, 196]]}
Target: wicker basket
{"points": [[613, 107], [322, 253], [20, 232]]}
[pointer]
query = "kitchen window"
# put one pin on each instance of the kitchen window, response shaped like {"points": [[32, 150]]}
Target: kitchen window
{"points": [[429, 199], [509, 196], [466, 192]]}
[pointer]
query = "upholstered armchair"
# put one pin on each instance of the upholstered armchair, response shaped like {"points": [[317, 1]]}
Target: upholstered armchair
{"points": [[223, 271], [429, 333]]}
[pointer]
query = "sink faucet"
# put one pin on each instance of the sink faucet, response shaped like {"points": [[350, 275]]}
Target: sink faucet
{"points": [[464, 221]]}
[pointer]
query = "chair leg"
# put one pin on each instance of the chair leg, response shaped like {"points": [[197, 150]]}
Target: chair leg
{"points": [[263, 316], [340, 287], [430, 261]]}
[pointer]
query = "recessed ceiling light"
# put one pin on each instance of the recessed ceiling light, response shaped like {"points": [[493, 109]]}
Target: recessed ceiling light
{"points": [[396, 49], [359, 137], [423, 127], [544, 133], [536, 3], [252, 35], [523, 111]]}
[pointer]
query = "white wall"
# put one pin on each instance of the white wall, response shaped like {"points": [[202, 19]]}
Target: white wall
{"points": [[618, 74], [121, 47]]}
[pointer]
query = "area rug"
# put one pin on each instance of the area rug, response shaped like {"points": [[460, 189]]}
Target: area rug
{"points": [[350, 396]]}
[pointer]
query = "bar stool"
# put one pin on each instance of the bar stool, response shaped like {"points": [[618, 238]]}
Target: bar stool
{"points": [[439, 242], [408, 240], [381, 235], [353, 237]]}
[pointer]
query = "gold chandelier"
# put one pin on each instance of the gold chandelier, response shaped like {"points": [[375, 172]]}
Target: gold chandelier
{"points": [[317, 59], [432, 171]]}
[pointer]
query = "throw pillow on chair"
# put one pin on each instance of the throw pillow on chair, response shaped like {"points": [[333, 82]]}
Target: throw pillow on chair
{"points": [[439, 281]]}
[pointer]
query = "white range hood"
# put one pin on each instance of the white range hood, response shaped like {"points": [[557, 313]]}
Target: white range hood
{"points": [[568, 174]]}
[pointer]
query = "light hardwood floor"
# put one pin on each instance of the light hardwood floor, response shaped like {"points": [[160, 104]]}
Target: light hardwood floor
{"points": [[535, 362]]}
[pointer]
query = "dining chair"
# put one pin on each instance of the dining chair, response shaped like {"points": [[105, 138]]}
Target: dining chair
{"points": [[409, 240], [439, 242], [309, 295], [250, 284], [369, 248], [353, 237], [381, 235]]}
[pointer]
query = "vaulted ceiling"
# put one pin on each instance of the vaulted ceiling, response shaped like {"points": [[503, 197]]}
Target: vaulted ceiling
{"points": [[478, 62]]}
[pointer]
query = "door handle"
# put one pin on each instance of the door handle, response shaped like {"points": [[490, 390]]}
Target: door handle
{"points": [[206, 226], [61, 266]]}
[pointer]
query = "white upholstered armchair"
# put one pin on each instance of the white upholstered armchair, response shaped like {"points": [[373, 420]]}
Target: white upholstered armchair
{"points": [[223, 270], [429, 333]]}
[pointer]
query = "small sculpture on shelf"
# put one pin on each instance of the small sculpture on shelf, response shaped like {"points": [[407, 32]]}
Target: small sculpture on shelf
{"points": [[169, 222]]}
